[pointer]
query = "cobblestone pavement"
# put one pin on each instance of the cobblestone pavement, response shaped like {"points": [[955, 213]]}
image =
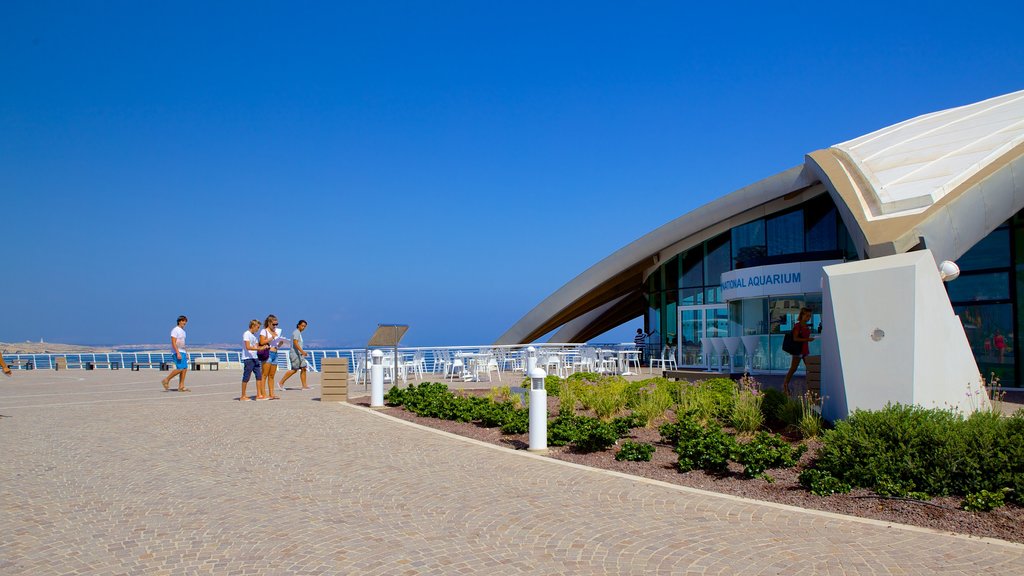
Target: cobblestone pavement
{"points": [[105, 473]]}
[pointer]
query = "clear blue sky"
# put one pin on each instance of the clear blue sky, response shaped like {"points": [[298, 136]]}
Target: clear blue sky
{"points": [[442, 164]]}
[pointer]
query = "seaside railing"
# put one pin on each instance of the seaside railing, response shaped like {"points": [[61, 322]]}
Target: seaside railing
{"points": [[124, 360]]}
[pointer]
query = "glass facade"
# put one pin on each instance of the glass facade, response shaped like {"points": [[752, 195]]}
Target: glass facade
{"points": [[684, 295], [685, 299]]}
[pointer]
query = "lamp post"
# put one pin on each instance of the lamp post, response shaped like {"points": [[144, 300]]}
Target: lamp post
{"points": [[538, 411], [377, 379]]}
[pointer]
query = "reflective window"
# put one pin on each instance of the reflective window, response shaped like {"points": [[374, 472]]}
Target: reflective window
{"points": [[691, 296], [786, 233], [693, 267], [671, 268], [820, 222], [989, 329], [978, 287], [717, 260], [748, 244], [992, 252]]}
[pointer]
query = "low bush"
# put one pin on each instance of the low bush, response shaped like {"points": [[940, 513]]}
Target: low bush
{"points": [[984, 501], [766, 451], [623, 424], [772, 404], [708, 448], [593, 435], [635, 452], [563, 430], [517, 421], [934, 451], [821, 483]]}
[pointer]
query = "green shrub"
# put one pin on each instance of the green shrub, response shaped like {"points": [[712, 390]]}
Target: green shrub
{"points": [[516, 422], [822, 483], [396, 396], [933, 451], [766, 451], [772, 403], [492, 414], [593, 435], [790, 413], [983, 501], [635, 452], [708, 450], [563, 430], [583, 377], [686, 426], [623, 424], [552, 385]]}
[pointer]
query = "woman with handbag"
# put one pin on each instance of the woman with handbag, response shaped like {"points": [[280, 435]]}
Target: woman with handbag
{"points": [[796, 344], [268, 357]]}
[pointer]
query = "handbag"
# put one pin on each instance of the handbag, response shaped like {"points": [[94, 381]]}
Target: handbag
{"points": [[263, 355], [791, 346]]}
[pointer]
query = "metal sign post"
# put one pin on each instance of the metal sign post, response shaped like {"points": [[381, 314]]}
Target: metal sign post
{"points": [[389, 335]]}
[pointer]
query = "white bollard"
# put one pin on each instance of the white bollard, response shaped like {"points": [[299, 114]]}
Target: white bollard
{"points": [[538, 411], [531, 360], [377, 379]]}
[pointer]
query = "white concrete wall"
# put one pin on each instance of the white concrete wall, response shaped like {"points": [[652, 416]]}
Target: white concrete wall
{"points": [[890, 335]]}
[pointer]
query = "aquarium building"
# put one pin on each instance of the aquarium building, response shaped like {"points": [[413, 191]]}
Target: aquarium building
{"points": [[718, 287]]}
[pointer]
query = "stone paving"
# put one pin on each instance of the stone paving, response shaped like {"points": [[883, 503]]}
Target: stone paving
{"points": [[105, 473]]}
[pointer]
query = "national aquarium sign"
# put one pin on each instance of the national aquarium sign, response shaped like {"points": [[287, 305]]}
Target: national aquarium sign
{"points": [[777, 280]]}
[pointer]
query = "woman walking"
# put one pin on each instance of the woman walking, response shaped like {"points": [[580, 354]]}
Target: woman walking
{"points": [[269, 336], [802, 336], [297, 356], [250, 346]]}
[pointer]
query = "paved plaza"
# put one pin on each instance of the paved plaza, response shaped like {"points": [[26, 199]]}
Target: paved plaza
{"points": [[105, 473]]}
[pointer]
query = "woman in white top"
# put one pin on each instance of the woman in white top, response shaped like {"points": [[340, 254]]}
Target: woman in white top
{"points": [[250, 346], [268, 335]]}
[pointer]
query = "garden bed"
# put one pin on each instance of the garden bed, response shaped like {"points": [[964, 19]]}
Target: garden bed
{"points": [[942, 513]]}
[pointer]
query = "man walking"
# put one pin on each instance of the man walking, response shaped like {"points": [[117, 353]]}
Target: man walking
{"points": [[180, 356], [297, 356]]}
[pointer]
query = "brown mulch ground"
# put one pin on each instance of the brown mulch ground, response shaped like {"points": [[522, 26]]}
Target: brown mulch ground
{"points": [[1006, 523]]}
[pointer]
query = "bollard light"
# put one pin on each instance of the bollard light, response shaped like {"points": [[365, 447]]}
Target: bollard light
{"points": [[531, 360], [377, 379], [538, 410]]}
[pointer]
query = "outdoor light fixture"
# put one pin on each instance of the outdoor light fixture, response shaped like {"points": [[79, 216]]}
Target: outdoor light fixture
{"points": [[948, 271]]}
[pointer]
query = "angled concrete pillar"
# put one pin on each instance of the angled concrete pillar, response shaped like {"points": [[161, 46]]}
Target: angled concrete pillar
{"points": [[890, 335]]}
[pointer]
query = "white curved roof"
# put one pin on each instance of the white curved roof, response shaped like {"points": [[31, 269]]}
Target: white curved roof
{"points": [[912, 165]]}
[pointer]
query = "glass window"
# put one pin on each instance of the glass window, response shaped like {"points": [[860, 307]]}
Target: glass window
{"points": [[691, 296], [717, 259], [820, 222], [748, 244], [993, 251], [671, 268], [989, 329], [978, 287], [748, 317], [786, 233], [693, 267]]}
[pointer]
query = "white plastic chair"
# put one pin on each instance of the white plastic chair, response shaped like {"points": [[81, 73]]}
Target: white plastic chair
{"points": [[668, 358]]}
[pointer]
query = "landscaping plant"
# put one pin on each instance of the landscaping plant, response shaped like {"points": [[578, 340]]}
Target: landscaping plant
{"points": [[746, 411], [635, 452], [766, 451]]}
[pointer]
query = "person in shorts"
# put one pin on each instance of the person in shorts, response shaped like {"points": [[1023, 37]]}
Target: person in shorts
{"points": [[251, 364], [269, 334], [297, 356], [180, 356]]}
